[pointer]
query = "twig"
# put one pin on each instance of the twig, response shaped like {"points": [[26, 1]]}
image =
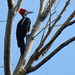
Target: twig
{"points": [[34, 57], [46, 10], [51, 54], [45, 51], [43, 28], [50, 14], [38, 33], [3, 66], [49, 21], [42, 35], [41, 19], [3, 20], [50, 30], [57, 19], [58, 25], [56, 5], [55, 36]]}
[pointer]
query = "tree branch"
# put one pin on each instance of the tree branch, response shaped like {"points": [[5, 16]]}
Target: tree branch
{"points": [[51, 55], [45, 51], [42, 4], [51, 28], [18, 6], [7, 44], [3, 20], [29, 42], [59, 32], [35, 55], [8, 35], [46, 10], [11, 4]]}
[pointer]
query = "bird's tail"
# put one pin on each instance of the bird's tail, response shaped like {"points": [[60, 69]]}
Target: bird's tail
{"points": [[21, 44]]}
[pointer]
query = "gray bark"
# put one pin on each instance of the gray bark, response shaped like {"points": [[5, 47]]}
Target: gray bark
{"points": [[12, 11], [7, 44], [30, 38], [43, 13]]}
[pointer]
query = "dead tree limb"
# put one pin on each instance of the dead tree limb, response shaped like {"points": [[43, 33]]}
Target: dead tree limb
{"points": [[51, 28], [11, 4], [8, 35], [29, 39], [48, 45], [31, 69], [66, 23]]}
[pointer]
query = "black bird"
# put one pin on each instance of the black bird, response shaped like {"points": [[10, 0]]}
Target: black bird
{"points": [[23, 27]]}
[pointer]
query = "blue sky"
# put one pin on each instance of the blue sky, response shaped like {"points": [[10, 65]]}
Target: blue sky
{"points": [[63, 63]]}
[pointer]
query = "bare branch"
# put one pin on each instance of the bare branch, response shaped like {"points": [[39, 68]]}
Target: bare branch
{"points": [[59, 16], [45, 51], [51, 28], [50, 14], [1, 66], [44, 27], [3, 20], [48, 21], [64, 25], [42, 4], [17, 7], [59, 32], [61, 13], [51, 55], [30, 41], [43, 35], [11, 4], [8, 35], [70, 17], [42, 51], [7, 44], [46, 10], [36, 55]]}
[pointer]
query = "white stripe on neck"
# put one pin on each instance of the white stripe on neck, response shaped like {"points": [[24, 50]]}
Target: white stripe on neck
{"points": [[24, 18]]}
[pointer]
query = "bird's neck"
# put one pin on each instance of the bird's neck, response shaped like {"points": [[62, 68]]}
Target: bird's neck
{"points": [[24, 16], [23, 19]]}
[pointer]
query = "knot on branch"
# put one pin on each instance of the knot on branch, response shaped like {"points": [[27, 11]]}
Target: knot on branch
{"points": [[22, 72], [42, 17]]}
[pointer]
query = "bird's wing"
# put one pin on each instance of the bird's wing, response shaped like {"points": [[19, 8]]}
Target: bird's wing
{"points": [[26, 25]]}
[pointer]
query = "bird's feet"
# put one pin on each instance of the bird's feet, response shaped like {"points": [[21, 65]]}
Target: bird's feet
{"points": [[27, 35], [32, 38]]}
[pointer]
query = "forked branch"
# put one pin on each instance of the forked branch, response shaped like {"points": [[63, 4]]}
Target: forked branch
{"points": [[8, 35], [17, 7], [34, 57], [31, 69], [11, 4], [51, 28]]}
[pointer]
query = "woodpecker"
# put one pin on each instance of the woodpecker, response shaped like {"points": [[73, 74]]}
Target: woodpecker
{"points": [[23, 27]]}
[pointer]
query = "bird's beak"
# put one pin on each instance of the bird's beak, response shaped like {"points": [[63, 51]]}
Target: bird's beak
{"points": [[30, 12], [27, 12]]}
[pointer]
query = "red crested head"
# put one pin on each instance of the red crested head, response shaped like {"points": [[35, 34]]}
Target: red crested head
{"points": [[24, 11], [21, 11]]}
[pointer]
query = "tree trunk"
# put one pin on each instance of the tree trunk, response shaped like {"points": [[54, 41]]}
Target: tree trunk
{"points": [[7, 43]]}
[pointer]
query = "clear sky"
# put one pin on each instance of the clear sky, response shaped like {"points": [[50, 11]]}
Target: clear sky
{"points": [[63, 63]]}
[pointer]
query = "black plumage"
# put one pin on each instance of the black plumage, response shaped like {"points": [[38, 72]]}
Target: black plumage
{"points": [[23, 27]]}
